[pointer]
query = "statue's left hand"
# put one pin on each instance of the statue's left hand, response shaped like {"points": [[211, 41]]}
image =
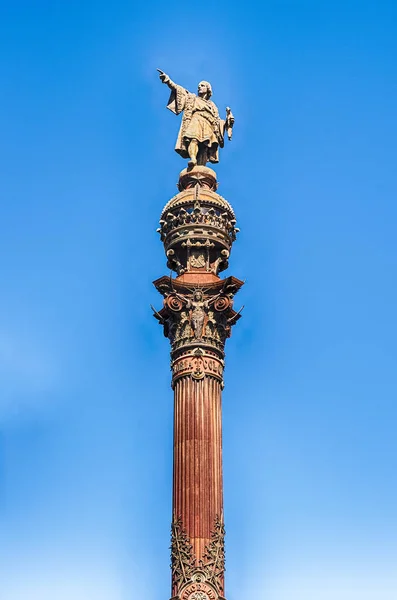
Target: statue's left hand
{"points": [[229, 116], [229, 122]]}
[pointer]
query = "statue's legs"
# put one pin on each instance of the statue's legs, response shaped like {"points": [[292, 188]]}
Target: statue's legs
{"points": [[193, 151], [202, 157]]}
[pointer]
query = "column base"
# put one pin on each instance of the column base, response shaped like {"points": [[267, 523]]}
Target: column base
{"points": [[198, 589], [204, 597]]}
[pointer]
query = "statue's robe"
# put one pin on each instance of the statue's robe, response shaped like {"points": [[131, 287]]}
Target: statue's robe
{"points": [[200, 121]]}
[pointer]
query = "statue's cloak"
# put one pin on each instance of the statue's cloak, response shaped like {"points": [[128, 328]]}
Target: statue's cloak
{"points": [[200, 121]]}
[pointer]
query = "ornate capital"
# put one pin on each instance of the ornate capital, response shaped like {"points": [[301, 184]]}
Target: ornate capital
{"points": [[197, 321]]}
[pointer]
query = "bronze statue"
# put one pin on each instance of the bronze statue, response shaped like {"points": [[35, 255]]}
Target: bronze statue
{"points": [[202, 130], [197, 313]]}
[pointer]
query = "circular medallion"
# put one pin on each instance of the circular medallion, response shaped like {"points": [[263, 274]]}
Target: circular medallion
{"points": [[199, 591], [198, 374]]}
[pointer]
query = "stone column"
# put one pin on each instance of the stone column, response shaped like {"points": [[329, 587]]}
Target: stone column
{"points": [[198, 229]]}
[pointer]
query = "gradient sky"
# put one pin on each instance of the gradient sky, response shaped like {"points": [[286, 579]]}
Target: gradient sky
{"points": [[87, 163]]}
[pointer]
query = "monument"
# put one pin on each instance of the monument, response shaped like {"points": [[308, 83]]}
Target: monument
{"points": [[197, 228]]}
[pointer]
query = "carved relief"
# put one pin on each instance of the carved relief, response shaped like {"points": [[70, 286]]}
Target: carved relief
{"points": [[213, 561], [197, 260], [198, 313], [200, 193], [199, 591], [198, 596], [192, 581], [182, 557], [197, 316], [197, 364], [198, 227], [200, 215]]}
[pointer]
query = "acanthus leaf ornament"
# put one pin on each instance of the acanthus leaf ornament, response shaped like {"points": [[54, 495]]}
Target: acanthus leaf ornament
{"points": [[197, 315], [182, 557], [213, 561], [191, 577]]}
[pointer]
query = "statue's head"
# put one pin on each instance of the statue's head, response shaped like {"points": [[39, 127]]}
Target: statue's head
{"points": [[204, 90], [198, 295]]}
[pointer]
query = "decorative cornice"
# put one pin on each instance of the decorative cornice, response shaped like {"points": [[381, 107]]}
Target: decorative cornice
{"points": [[229, 285], [205, 196]]}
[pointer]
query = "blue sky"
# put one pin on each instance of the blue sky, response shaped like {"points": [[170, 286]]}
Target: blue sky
{"points": [[87, 164]]}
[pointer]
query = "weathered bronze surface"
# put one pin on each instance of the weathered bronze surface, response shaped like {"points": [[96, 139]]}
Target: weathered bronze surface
{"points": [[202, 131]]}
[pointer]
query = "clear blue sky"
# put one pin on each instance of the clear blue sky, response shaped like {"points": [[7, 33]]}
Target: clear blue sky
{"points": [[87, 164]]}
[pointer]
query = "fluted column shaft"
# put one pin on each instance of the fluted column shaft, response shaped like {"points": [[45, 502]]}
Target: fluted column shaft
{"points": [[197, 481]]}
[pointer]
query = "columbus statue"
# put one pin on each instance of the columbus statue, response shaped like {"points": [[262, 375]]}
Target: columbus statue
{"points": [[202, 131]]}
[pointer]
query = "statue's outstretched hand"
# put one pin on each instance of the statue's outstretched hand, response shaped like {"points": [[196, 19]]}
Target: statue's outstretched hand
{"points": [[165, 79], [163, 76], [229, 116]]}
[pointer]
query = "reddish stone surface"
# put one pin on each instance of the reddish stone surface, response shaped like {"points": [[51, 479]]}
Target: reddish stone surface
{"points": [[198, 229], [198, 278], [197, 480]]}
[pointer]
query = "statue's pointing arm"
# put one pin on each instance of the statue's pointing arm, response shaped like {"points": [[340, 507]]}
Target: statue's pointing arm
{"points": [[166, 79], [177, 100]]}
